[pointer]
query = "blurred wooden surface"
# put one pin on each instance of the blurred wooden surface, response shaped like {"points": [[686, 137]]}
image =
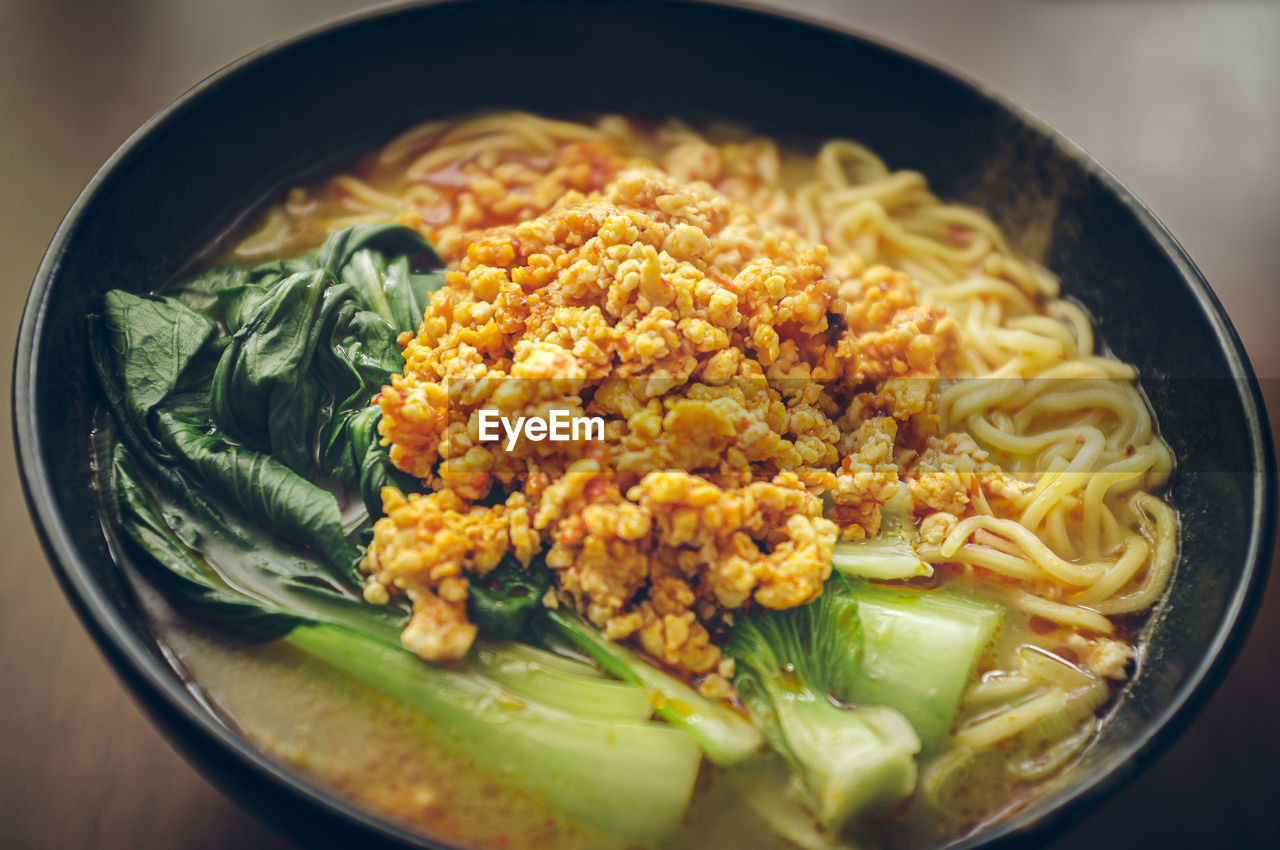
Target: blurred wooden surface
{"points": [[1180, 99]]}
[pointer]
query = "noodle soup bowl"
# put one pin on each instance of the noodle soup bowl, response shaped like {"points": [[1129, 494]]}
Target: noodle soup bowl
{"points": [[291, 111]]}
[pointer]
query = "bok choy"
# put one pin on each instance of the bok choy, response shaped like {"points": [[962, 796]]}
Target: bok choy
{"points": [[247, 467], [726, 736], [792, 664], [919, 649], [888, 556]]}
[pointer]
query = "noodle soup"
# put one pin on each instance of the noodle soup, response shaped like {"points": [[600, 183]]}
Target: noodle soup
{"points": [[859, 556]]}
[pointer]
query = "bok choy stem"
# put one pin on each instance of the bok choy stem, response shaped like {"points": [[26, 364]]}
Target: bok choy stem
{"points": [[790, 665], [726, 736]]}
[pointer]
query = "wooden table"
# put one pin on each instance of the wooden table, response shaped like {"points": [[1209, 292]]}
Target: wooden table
{"points": [[1179, 99]]}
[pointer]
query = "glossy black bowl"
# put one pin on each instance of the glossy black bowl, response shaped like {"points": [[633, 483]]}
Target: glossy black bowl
{"points": [[307, 104]]}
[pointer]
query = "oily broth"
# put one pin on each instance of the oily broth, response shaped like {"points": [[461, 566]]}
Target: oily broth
{"points": [[365, 747], [299, 218], [392, 763]]}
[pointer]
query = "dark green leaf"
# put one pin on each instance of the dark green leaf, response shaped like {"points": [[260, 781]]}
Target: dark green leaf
{"points": [[378, 472], [821, 641], [141, 523], [369, 345], [235, 390], [265, 489], [141, 443], [153, 339], [204, 292], [388, 239], [237, 304], [375, 259], [269, 352], [282, 591]]}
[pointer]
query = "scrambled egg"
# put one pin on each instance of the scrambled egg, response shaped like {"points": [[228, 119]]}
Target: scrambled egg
{"points": [[743, 379]]}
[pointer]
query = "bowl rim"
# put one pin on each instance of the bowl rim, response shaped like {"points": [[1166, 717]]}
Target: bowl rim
{"points": [[192, 725]]}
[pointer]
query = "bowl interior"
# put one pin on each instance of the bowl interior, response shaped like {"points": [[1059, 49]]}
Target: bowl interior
{"points": [[309, 104]]}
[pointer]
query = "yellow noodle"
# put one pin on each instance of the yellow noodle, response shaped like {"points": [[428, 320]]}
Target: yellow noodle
{"points": [[1160, 523], [1075, 616], [1136, 552], [1047, 328], [1094, 492], [980, 556], [363, 193], [1046, 667], [1056, 532], [1078, 575], [989, 731], [995, 687], [406, 142], [1067, 481], [272, 235]]}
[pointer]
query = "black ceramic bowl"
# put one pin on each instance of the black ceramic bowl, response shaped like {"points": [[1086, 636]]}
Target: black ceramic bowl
{"points": [[305, 105]]}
